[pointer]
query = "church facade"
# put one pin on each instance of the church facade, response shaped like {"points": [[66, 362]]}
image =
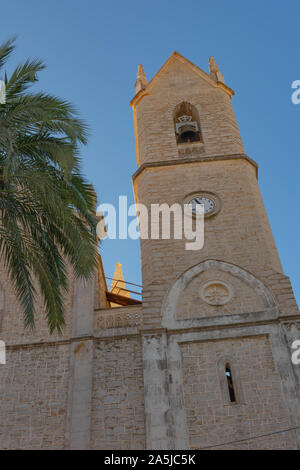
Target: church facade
{"points": [[204, 361]]}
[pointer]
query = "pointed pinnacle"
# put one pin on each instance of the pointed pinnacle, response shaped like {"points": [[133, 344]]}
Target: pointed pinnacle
{"points": [[214, 71], [141, 80]]}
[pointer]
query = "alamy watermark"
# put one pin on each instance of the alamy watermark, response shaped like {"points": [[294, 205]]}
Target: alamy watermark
{"points": [[159, 221], [2, 352], [2, 92], [296, 94], [296, 354]]}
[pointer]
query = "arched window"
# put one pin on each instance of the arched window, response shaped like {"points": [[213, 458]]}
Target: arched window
{"points": [[186, 121], [230, 383]]}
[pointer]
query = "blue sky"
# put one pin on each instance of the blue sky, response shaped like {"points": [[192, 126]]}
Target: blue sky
{"points": [[92, 50]]}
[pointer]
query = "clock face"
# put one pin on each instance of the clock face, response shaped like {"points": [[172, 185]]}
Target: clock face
{"points": [[209, 204]]}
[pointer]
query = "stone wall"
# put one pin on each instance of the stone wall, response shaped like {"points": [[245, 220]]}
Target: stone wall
{"points": [[34, 390], [118, 395], [260, 410]]}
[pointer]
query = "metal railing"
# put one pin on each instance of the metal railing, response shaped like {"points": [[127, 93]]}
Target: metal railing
{"points": [[119, 288]]}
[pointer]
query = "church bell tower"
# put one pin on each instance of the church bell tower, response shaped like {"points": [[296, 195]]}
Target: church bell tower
{"points": [[219, 321]]}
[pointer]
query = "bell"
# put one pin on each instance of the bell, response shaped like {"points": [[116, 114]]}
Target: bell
{"points": [[188, 135]]}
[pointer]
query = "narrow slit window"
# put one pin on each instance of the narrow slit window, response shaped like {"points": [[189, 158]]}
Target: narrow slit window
{"points": [[230, 383]]}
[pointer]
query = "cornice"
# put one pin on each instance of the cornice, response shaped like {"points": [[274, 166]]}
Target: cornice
{"points": [[189, 160]]}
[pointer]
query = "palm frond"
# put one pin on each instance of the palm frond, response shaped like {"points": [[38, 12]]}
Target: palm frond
{"points": [[6, 49], [46, 205]]}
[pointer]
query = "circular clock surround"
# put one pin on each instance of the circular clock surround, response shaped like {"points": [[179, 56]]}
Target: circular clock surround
{"points": [[211, 202]]}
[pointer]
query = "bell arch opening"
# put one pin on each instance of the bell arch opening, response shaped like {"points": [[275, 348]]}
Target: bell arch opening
{"points": [[186, 123]]}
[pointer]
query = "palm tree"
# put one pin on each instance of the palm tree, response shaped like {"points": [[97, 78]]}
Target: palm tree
{"points": [[47, 216]]}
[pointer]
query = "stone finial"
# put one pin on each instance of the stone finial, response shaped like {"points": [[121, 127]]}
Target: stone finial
{"points": [[141, 80], [101, 228], [214, 71], [118, 283]]}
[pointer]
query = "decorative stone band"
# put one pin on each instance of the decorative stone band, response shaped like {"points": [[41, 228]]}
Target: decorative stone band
{"points": [[206, 158], [120, 317]]}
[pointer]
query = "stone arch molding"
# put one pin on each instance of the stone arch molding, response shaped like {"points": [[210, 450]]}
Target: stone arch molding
{"points": [[169, 305]]}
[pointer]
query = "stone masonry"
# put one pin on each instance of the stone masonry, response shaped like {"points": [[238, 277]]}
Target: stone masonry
{"points": [[155, 375]]}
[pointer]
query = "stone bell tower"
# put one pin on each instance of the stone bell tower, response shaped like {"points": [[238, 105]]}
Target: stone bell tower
{"points": [[218, 322]]}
